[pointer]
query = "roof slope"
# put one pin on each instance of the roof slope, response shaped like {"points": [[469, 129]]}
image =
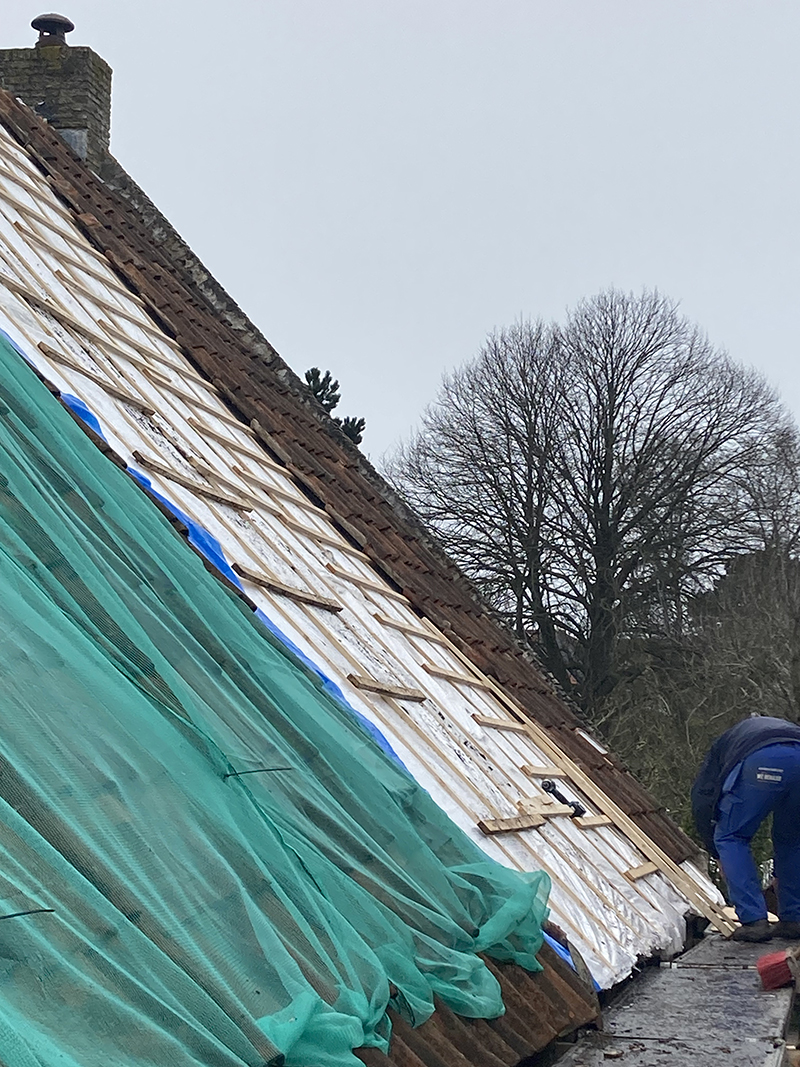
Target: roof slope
{"points": [[614, 890], [177, 907], [257, 385]]}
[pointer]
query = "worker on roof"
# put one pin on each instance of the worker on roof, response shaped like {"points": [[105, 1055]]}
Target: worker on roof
{"points": [[751, 770]]}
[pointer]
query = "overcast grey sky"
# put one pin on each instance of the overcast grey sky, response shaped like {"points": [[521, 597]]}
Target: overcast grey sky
{"points": [[380, 183]]}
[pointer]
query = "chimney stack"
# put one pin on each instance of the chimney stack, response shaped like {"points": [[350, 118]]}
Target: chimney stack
{"points": [[68, 86]]}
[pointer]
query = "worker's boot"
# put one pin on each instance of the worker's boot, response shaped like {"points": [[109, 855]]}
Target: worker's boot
{"points": [[787, 929], [762, 930]]}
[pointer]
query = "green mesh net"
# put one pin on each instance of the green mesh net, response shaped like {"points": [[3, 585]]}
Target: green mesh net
{"points": [[200, 916]]}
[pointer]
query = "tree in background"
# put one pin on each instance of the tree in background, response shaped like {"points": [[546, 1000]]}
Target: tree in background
{"points": [[740, 653], [326, 389], [596, 478]]}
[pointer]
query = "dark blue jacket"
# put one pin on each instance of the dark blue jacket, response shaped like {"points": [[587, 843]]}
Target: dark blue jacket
{"points": [[731, 748]]}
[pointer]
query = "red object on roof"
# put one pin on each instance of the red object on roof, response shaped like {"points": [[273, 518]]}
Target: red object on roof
{"points": [[774, 970]]}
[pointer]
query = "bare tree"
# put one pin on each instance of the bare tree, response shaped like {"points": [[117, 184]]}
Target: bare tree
{"points": [[479, 471], [592, 477]]}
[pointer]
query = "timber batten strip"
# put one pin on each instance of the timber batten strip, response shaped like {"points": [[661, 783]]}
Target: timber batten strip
{"points": [[366, 583], [295, 498], [534, 771], [195, 402], [453, 676], [372, 685], [67, 259], [410, 631], [511, 825], [500, 724], [635, 873], [188, 483], [38, 216], [542, 810], [98, 379], [104, 343], [70, 282], [317, 535], [589, 822], [274, 586]]}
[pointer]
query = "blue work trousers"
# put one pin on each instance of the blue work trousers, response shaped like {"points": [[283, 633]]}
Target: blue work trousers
{"points": [[767, 781]]}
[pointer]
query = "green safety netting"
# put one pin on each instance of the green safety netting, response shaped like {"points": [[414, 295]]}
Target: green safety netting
{"points": [[198, 918]]}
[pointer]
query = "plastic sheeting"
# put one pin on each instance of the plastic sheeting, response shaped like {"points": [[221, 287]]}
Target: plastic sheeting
{"points": [[209, 547], [236, 871]]}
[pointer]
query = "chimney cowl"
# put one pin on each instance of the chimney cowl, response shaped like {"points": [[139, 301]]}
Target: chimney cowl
{"points": [[52, 29]]}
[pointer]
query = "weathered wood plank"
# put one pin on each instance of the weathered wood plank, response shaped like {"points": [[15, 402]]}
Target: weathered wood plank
{"points": [[240, 504], [500, 724], [454, 676], [290, 592], [510, 825], [590, 821], [635, 873], [98, 379], [542, 810], [362, 681], [534, 771]]}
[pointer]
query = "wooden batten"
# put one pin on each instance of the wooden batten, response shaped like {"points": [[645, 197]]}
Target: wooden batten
{"points": [[541, 809], [290, 592], [511, 825], [589, 822], [366, 583], [500, 724], [635, 873], [372, 685], [453, 676], [239, 504], [98, 379], [407, 628], [534, 771]]}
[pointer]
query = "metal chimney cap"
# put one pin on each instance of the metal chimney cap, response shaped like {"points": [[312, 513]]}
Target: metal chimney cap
{"points": [[52, 28]]}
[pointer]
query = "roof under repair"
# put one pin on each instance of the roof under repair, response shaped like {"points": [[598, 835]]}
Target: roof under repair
{"points": [[270, 793]]}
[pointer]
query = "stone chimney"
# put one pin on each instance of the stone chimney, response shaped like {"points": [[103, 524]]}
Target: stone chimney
{"points": [[68, 86]]}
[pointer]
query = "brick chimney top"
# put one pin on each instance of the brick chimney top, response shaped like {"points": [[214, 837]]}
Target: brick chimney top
{"points": [[52, 29], [67, 85]]}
